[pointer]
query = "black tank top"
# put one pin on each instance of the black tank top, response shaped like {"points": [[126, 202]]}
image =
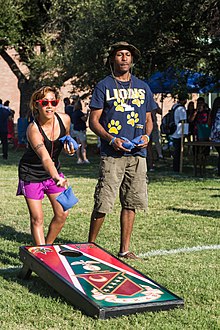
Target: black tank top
{"points": [[30, 166]]}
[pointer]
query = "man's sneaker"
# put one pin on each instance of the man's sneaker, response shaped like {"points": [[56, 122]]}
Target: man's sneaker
{"points": [[86, 161], [79, 161], [127, 255]]}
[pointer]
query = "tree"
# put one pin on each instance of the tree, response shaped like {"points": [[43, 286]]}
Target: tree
{"points": [[168, 33], [21, 27], [73, 36]]}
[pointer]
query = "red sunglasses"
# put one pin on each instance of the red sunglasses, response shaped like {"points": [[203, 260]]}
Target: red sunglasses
{"points": [[45, 103]]}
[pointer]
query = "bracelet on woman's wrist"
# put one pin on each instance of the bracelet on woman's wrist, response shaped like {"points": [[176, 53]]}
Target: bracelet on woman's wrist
{"points": [[147, 136], [112, 141]]}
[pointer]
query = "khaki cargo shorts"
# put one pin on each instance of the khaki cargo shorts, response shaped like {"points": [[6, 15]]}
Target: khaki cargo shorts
{"points": [[126, 175]]}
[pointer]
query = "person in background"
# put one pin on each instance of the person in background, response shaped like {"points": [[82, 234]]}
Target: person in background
{"points": [[179, 117], [79, 119], [121, 107], [6, 105], [154, 138], [214, 123], [190, 111], [69, 104], [5, 114], [39, 168], [199, 117], [66, 102], [11, 130]]}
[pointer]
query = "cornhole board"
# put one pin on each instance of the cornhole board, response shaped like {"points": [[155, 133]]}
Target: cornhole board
{"points": [[95, 281]]}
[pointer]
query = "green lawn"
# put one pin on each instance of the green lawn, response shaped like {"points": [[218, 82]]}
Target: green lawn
{"points": [[184, 212]]}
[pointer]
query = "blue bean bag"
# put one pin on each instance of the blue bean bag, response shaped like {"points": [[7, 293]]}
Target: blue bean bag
{"points": [[69, 140], [67, 198], [137, 140], [127, 143]]}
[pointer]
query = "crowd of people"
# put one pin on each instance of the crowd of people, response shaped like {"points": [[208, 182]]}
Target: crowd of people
{"points": [[123, 114], [197, 121], [202, 123]]}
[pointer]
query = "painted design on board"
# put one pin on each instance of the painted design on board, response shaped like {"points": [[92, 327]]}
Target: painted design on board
{"points": [[110, 284], [100, 276], [38, 249]]}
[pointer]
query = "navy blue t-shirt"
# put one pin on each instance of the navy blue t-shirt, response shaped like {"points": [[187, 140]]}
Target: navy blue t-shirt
{"points": [[4, 114], [78, 123], [124, 107]]}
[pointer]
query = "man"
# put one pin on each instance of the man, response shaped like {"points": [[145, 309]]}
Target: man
{"points": [[121, 107], [5, 113], [180, 115], [155, 137]]}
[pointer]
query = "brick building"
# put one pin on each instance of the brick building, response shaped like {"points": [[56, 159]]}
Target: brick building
{"points": [[9, 84]]}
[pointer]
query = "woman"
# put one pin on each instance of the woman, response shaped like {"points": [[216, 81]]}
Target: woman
{"points": [[198, 121], [214, 122], [39, 168]]}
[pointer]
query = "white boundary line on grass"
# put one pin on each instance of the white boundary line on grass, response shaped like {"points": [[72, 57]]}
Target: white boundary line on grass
{"points": [[149, 254], [180, 250]]}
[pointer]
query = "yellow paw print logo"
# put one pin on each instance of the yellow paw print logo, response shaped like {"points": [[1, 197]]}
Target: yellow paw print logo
{"points": [[138, 102], [132, 118], [118, 105], [114, 126]]}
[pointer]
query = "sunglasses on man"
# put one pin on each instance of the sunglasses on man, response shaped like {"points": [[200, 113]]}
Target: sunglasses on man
{"points": [[45, 103]]}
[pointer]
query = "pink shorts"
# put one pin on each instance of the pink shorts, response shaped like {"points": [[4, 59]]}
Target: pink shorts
{"points": [[36, 190]]}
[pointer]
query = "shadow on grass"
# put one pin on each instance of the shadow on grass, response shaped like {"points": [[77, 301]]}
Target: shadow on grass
{"points": [[34, 284], [203, 213], [8, 233], [37, 286], [9, 258], [210, 188]]}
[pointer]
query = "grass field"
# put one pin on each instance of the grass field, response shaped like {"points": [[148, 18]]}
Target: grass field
{"points": [[183, 213]]}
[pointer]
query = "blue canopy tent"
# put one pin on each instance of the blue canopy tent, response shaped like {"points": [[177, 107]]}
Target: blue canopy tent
{"points": [[202, 83], [195, 82], [171, 80], [162, 82]]}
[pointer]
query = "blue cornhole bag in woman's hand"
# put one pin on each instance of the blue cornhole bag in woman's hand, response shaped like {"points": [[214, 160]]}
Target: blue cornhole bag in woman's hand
{"points": [[67, 199], [69, 140]]}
